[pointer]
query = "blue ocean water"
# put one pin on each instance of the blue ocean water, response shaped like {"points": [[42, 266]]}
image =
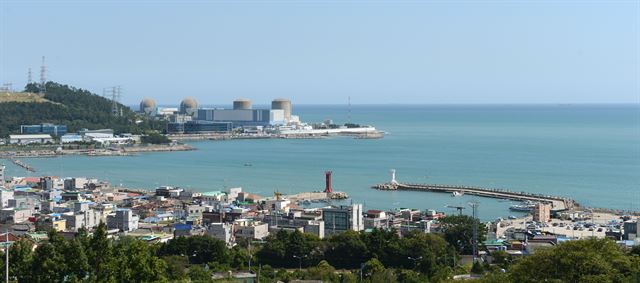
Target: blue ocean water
{"points": [[588, 152]]}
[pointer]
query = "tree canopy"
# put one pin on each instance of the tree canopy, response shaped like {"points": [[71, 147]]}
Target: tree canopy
{"points": [[74, 107]]}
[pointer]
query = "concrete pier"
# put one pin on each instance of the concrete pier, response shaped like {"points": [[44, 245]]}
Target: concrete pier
{"points": [[557, 203]]}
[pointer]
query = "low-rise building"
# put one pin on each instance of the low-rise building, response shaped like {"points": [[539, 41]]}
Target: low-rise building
{"points": [[29, 139], [88, 219], [221, 231], [542, 212], [342, 218], [124, 220], [45, 128], [251, 230]]}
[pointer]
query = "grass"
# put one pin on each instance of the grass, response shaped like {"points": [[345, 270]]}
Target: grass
{"points": [[24, 97]]}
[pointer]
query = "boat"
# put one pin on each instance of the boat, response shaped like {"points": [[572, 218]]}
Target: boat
{"points": [[456, 194], [526, 206], [248, 164]]}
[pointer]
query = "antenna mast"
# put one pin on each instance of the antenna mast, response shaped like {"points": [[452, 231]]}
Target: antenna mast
{"points": [[29, 79]]}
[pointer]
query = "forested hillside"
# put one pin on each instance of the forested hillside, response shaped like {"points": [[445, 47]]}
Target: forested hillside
{"points": [[74, 107]]}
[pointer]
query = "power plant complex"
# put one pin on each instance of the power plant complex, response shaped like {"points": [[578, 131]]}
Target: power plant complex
{"points": [[189, 118]]}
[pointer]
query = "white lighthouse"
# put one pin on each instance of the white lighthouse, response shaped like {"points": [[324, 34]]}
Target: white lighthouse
{"points": [[393, 177]]}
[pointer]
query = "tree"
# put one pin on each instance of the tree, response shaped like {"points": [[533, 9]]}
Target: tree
{"points": [[323, 271], [77, 262], [502, 259], [458, 232], [198, 274], [101, 255], [48, 264], [20, 257], [176, 267], [477, 268], [346, 250], [135, 262], [289, 249], [593, 260]]}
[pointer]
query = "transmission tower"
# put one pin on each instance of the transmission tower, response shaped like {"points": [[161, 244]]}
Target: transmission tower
{"points": [[43, 80], [29, 79], [474, 206], [116, 92]]}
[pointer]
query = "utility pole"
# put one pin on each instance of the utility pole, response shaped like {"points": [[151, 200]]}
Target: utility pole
{"points": [[6, 252]]}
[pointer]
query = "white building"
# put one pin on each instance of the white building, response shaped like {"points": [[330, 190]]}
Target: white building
{"points": [[221, 231], [89, 218], [29, 139], [5, 196], [69, 138], [124, 220]]}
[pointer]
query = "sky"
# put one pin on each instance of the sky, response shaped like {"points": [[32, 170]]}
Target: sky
{"points": [[323, 52]]}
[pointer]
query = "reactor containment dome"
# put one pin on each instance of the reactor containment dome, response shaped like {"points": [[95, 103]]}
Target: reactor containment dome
{"points": [[188, 106], [282, 104], [242, 104], [147, 106]]}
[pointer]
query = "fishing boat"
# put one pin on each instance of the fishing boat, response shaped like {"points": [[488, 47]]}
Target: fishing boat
{"points": [[456, 194]]}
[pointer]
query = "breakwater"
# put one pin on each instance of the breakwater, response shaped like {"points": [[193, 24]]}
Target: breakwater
{"points": [[557, 203], [23, 165]]}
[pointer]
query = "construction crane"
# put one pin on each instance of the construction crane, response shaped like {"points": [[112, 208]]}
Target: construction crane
{"points": [[459, 208]]}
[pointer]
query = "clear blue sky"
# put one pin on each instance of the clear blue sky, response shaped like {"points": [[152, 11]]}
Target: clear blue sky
{"points": [[324, 51]]}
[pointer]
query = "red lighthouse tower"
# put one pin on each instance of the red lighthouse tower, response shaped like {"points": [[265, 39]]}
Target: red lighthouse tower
{"points": [[327, 175]]}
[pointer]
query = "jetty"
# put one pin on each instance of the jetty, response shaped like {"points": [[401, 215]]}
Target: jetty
{"points": [[23, 165], [557, 203]]}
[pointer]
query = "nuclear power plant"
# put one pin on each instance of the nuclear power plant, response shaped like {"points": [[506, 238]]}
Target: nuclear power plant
{"points": [[189, 117]]}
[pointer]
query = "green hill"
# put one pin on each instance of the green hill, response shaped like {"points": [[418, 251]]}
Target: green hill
{"points": [[74, 107]]}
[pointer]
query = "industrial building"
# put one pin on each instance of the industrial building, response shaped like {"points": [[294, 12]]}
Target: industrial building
{"points": [[243, 117], [46, 128], [29, 139], [198, 127]]}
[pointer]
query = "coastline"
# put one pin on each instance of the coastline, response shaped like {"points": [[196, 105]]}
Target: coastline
{"points": [[120, 151]]}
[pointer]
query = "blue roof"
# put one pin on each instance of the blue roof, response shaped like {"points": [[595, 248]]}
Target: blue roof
{"points": [[182, 227]]}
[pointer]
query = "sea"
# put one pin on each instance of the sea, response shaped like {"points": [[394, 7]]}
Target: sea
{"points": [[588, 152]]}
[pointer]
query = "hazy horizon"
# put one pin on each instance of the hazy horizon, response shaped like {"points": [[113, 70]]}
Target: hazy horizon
{"points": [[376, 53]]}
